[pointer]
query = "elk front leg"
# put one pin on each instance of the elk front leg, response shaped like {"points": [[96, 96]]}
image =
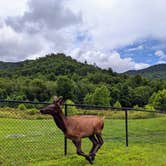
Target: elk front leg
{"points": [[77, 143]]}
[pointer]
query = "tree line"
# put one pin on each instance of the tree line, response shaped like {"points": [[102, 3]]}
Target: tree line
{"points": [[39, 80]]}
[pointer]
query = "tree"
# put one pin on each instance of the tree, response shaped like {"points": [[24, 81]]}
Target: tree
{"points": [[83, 88], [101, 96], [136, 80], [126, 96], [117, 104], [158, 100], [65, 87], [37, 90], [141, 95], [115, 94], [88, 99], [3, 94]]}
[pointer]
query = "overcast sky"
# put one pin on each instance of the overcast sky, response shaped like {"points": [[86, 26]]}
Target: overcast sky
{"points": [[123, 35]]}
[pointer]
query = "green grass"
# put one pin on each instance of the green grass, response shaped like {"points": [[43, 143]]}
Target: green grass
{"points": [[39, 142], [33, 113]]}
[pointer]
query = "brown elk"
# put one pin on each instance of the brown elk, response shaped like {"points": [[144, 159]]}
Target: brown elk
{"points": [[77, 127]]}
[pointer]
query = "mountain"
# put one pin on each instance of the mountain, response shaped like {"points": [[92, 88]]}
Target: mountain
{"points": [[6, 65], [49, 66], [152, 72]]}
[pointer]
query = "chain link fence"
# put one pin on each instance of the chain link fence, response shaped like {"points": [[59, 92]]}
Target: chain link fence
{"points": [[27, 136]]}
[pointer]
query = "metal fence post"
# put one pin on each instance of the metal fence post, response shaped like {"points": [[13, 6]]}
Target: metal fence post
{"points": [[126, 127], [65, 139]]}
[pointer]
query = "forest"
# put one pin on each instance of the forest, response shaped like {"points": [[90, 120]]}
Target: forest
{"points": [[155, 71], [58, 74]]}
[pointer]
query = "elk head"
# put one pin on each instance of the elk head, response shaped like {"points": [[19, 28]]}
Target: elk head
{"points": [[53, 108]]}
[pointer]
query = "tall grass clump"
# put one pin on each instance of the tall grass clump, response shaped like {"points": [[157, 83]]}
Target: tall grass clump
{"points": [[22, 107]]}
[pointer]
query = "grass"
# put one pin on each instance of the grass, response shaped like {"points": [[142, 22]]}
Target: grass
{"points": [[15, 113], [39, 142]]}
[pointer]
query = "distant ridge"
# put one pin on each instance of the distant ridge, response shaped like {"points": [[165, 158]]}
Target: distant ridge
{"points": [[152, 72], [5, 65], [50, 65]]}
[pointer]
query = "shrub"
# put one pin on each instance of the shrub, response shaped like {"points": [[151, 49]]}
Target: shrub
{"points": [[22, 107], [158, 100], [32, 111], [149, 107], [71, 109], [117, 105]]}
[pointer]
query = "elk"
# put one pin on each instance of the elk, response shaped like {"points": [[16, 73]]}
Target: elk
{"points": [[77, 127]]}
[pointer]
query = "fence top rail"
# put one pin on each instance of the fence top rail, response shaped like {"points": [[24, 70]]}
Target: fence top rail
{"points": [[21, 101], [87, 106], [115, 108]]}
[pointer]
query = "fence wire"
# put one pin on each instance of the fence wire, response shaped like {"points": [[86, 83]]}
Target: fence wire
{"points": [[26, 135]]}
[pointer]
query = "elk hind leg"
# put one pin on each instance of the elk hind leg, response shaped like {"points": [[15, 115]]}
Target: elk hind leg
{"points": [[94, 146], [100, 142], [77, 143]]}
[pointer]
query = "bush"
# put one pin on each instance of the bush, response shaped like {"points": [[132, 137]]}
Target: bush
{"points": [[22, 107], [32, 111], [149, 107], [117, 105], [71, 109], [158, 100]]}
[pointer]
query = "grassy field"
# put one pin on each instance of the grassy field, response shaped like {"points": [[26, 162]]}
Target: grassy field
{"points": [[39, 142]]}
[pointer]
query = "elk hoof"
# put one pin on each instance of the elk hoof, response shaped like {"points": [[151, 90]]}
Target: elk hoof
{"points": [[92, 155], [89, 159]]}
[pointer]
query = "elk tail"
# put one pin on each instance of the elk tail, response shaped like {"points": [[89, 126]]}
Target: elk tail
{"points": [[103, 117]]}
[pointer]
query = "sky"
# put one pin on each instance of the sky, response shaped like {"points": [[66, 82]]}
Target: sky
{"points": [[122, 35]]}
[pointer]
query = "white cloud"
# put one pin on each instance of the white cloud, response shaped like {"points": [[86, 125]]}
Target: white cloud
{"points": [[107, 60], [19, 46], [38, 27], [140, 47], [12, 8], [118, 23], [46, 26], [161, 62], [50, 14], [139, 66], [160, 54]]}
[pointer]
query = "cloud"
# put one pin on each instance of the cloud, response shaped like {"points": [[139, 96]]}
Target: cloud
{"points": [[116, 23], [89, 30], [161, 62], [46, 26], [50, 14], [140, 47], [160, 54], [107, 60], [13, 8], [138, 66], [14, 46]]}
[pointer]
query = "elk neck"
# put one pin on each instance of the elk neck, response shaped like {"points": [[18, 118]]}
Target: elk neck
{"points": [[60, 120]]}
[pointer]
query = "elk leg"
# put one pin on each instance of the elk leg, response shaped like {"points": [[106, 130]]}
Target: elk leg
{"points": [[95, 144], [100, 142], [80, 152]]}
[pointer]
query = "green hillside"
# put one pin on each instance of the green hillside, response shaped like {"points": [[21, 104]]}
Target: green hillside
{"points": [[153, 72], [7, 65], [49, 66]]}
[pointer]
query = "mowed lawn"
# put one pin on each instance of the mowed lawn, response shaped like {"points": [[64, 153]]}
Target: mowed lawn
{"points": [[40, 142]]}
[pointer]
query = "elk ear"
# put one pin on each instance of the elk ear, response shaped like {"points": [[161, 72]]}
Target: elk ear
{"points": [[55, 99], [60, 100]]}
